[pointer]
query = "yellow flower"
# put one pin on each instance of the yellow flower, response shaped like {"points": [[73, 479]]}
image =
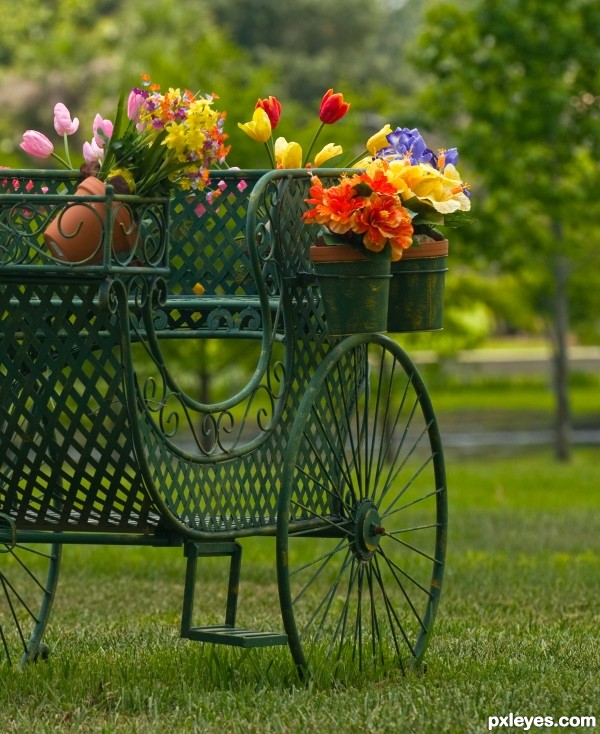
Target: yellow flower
{"points": [[198, 289], [126, 178], [176, 139], [259, 128], [329, 151], [379, 140], [444, 191], [287, 155]]}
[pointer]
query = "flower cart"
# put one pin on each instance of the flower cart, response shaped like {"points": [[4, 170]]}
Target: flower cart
{"points": [[330, 447]]}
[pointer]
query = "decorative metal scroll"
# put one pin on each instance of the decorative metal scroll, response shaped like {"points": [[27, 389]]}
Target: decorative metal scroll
{"points": [[32, 201], [224, 284]]}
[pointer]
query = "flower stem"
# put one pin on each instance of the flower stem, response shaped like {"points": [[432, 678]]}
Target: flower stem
{"points": [[355, 160], [270, 153], [62, 161], [67, 155], [312, 144]]}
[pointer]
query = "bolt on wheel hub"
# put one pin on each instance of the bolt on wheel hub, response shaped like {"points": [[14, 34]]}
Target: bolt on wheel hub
{"points": [[367, 530]]}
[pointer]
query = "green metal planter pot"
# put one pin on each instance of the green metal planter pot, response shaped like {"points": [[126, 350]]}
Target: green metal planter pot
{"points": [[354, 289], [416, 300]]}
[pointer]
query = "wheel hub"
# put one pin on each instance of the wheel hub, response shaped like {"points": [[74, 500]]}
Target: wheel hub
{"points": [[367, 530]]}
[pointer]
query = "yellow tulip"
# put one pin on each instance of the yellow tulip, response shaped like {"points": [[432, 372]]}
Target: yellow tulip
{"points": [[329, 151], [379, 140], [288, 155], [259, 128]]}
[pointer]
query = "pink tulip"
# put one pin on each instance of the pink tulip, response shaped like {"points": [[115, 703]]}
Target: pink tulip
{"points": [[102, 129], [92, 152], [134, 104], [63, 124], [37, 144]]}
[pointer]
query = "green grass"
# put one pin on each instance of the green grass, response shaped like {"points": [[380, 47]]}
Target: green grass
{"points": [[517, 631], [516, 393]]}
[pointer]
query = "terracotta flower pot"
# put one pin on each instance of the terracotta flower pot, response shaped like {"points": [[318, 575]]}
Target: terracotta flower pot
{"points": [[416, 300], [354, 289], [76, 234]]}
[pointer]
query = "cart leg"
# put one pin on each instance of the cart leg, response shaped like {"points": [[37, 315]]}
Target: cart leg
{"points": [[28, 580], [193, 551]]}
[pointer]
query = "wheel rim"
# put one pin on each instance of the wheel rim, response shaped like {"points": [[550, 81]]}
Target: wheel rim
{"points": [[364, 483], [28, 579]]}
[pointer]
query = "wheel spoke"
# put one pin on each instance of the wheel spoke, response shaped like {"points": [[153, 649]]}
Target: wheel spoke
{"points": [[324, 518], [394, 471], [394, 565], [343, 619], [324, 557], [394, 620], [413, 529], [326, 602], [413, 548], [375, 631], [329, 438], [13, 612], [414, 502]]}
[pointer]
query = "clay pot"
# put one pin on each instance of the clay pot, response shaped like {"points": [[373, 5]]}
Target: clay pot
{"points": [[76, 234]]}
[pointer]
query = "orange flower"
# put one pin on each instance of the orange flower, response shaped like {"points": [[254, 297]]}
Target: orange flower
{"points": [[383, 221], [377, 181], [335, 206]]}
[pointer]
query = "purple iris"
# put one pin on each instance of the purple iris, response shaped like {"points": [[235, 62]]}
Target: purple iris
{"points": [[405, 142], [450, 156]]}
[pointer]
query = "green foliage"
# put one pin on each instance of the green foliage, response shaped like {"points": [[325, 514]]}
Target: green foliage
{"points": [[314, 45], [83, 53], [515, 84], [96, 51]]}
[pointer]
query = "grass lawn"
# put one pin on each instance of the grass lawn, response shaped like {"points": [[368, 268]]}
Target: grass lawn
{"points": [[518, 629]]}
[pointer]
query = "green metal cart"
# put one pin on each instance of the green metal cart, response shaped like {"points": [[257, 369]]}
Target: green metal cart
{"points": [[329, 445]]}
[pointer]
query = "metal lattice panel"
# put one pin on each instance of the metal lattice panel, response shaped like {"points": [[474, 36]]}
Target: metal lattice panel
{"points": [[215, 495], [67, 409], [65, 444]]}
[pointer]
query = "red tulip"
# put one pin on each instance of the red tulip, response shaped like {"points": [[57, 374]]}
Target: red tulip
{"points": [[272, 106], [333, 107]]}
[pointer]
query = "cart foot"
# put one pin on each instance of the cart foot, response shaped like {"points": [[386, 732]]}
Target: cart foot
{"points": [[237, 636], [228, 633]]}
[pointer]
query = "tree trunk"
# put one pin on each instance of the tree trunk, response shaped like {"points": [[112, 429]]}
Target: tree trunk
{"points": [[560, 359]]}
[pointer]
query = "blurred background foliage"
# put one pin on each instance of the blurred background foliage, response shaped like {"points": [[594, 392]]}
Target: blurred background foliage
{"points": [[514, 84]]}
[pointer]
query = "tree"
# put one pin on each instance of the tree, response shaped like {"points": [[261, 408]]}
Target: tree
{"points": [[84, 52], [516, 84]]}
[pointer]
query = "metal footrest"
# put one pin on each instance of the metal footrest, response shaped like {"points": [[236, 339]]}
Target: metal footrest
{"points": [[238, 636], [227, 633]]}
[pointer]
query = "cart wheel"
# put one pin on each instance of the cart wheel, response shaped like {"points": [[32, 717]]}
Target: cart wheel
{"points": [[28, 579], [362, 517]]}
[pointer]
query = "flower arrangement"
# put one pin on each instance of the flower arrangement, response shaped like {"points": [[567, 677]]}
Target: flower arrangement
{"points": [[404, 194], [284, 154], [157, 141]]}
